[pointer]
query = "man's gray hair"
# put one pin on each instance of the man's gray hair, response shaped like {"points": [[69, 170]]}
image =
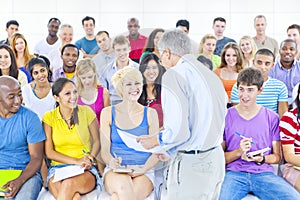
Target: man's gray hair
{"points": [[177, 41]]}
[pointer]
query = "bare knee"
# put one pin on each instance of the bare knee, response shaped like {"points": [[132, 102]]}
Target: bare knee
{"points": [[68, 184], [77, 196], [120, 186]]}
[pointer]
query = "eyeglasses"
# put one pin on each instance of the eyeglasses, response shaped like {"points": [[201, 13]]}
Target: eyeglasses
{"points": [[161, 52]]}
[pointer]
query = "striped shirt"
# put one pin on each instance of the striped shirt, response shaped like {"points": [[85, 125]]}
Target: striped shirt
{"points": [[274, 91], [289, 130]]}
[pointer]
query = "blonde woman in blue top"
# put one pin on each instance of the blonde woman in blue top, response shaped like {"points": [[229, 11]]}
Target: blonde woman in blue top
{"points": [[132, 117]]}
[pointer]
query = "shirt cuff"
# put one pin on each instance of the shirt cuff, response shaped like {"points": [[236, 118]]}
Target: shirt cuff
{"points": [[160, 141]]}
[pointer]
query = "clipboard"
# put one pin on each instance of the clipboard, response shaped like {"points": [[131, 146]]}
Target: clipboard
{"points": [[7, 175]]}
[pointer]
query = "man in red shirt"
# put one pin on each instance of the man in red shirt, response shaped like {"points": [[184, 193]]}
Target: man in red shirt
{"points": [[137, 41]]}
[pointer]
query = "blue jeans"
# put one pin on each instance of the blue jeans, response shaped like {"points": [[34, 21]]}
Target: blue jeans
{"points": [[265, 185], [30, 189]]}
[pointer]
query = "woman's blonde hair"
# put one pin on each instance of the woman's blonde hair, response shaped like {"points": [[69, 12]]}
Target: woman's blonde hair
{"points": [[204, 38], [130, 73], [252, 43], [82, 67]]}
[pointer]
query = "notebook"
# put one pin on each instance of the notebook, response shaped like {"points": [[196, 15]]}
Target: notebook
{"points": [[123, 170], [7, 175], [67, 172]]}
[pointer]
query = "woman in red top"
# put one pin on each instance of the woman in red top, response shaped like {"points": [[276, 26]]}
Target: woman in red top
{"points": [[152, 72]]}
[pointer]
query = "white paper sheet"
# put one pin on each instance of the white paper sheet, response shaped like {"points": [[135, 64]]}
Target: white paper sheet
{"points": [[130, 141], [67, 172]]}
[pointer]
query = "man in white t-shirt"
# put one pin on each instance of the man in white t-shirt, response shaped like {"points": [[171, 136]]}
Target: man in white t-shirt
{"points": [[44, 46]]}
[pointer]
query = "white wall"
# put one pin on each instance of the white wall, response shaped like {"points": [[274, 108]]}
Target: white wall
{"points": [[112, 15]]}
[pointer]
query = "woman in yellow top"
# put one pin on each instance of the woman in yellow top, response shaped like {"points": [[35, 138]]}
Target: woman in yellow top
{"points": [[69, 130]]}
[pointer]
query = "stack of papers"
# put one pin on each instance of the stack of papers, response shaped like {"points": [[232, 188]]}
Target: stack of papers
{"points": [[130, 141]]}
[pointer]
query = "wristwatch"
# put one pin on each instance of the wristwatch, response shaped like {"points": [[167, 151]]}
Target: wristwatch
{"points": [[261, 162]]}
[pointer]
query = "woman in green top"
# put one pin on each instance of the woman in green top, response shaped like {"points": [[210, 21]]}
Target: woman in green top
{"points": [[206, 49]]}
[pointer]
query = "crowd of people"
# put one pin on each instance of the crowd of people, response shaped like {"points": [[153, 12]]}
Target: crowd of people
{"points": [[205, 107]]}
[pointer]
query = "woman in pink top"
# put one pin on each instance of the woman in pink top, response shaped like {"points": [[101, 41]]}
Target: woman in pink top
{"points": [[90, 92]]}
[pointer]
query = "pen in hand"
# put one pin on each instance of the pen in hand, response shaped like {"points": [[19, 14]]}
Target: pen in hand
{"points": [[85, 153], [115, 155], [242, 136], [118, 159]]}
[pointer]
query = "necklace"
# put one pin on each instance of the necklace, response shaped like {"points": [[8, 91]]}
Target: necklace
{"points": [[149, 101], [42, 93]]}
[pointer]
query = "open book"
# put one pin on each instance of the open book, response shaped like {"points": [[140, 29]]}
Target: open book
{"points": [[67, 172], [7, 175]]}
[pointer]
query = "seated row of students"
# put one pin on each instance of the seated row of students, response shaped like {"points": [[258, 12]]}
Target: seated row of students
{"points": [[67, 99], [245, 146], [38, 97], [70, 128]]}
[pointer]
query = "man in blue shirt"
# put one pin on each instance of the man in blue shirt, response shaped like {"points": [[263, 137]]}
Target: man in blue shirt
{"points": [[21, 144], [287, 68], [106, 54], [88, 44]]}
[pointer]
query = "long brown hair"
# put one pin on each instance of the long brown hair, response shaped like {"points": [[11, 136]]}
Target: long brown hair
{"points": [[239, 55], [13, 69]]}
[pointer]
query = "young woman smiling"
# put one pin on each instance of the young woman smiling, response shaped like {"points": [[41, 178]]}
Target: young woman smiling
{"points": [[231, 65]]}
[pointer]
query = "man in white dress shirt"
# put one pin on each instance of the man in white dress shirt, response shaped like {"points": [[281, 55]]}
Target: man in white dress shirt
{"points": [[194, 105]]}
